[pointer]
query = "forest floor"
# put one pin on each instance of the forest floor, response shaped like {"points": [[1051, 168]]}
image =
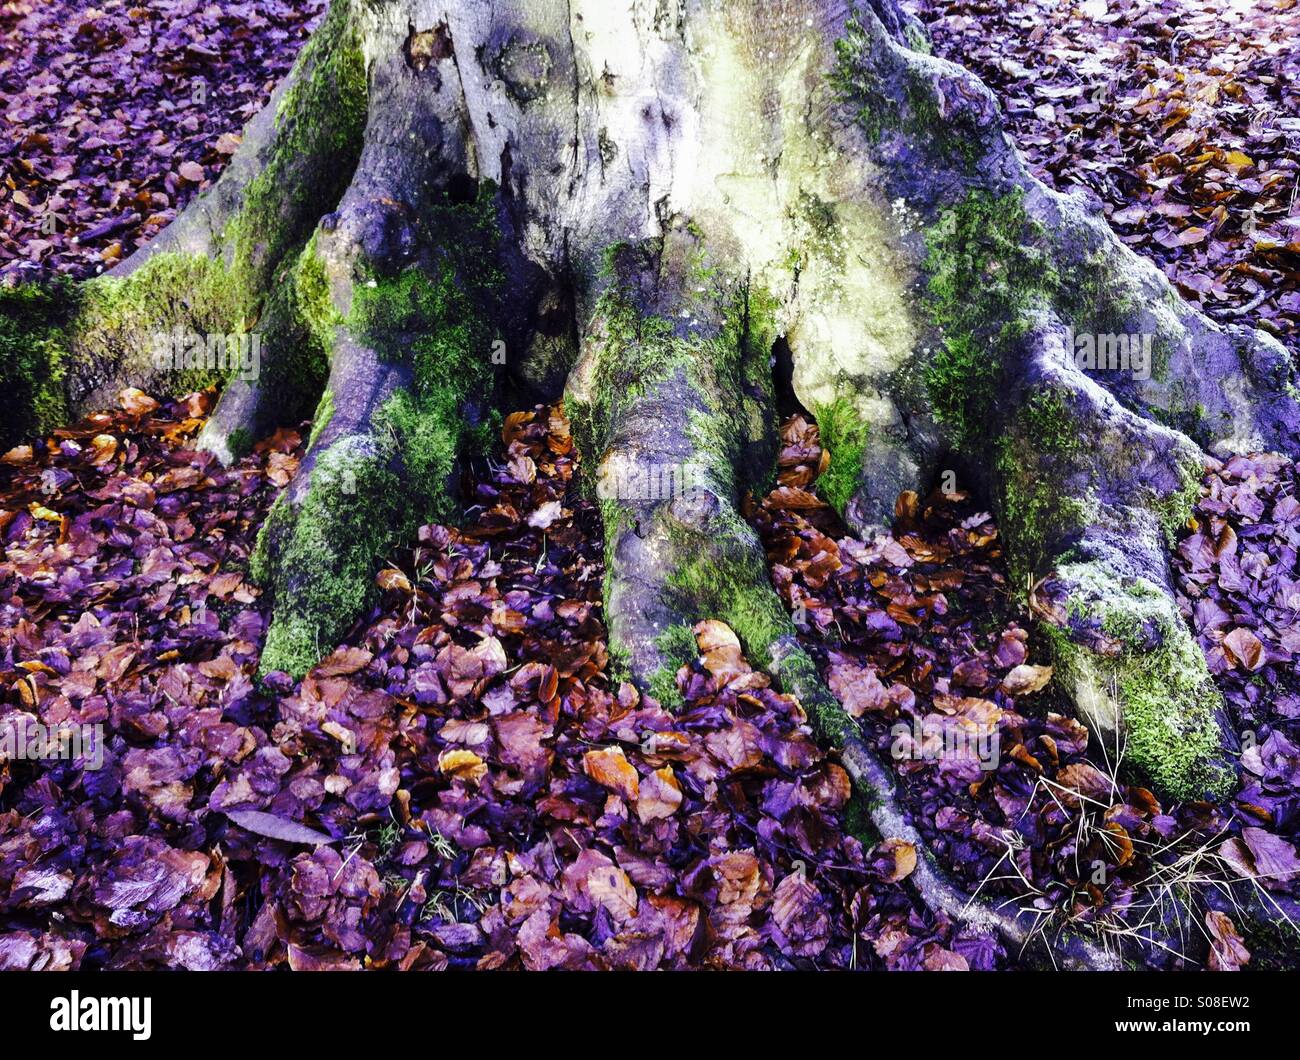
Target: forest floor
{"points": [[463, 783]]}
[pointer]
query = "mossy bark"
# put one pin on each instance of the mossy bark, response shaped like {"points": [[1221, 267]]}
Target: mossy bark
{"points": [[1091, 466]]}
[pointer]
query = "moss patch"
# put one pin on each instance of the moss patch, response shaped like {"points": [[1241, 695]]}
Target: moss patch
{"points": [[889, 92], [729, 374], [679, 648], [732, 586], [319, 128], [986, 271], [1036, 510], [1175, 510], [1160, 682], [844, 434], [324, 561], [240, 442], [366, 493], [32, 355], [441, 320], [324, 413]]}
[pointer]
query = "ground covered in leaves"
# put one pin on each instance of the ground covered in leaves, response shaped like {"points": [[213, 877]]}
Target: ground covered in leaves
{"points": [[1181, 117], [464, 784], [460, 784], [117, 112]]}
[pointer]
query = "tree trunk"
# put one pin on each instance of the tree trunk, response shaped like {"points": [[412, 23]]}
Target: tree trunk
{"points": [[634, 200]]}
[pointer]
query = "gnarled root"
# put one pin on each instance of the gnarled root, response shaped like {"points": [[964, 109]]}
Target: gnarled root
{"points": [[648, 400], [409, 265]]}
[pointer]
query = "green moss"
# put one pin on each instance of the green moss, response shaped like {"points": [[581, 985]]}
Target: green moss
{"points": [[1176, 509], [663, 686], [324, 413], [1098, 299], [315, 306], [1166, 698], [729, 374], [734, 589], [857, 819], [429, 438], [1184, 415], [916, 39], [678, 646], [844, 434], [857, 83], [366, 493], [442, 322], [619, 379], [888, 93], [240, 442], [324, 561], [319, 129], [119, 319], [32, 360], [1035, 511], [620, 665], [986, 272]]}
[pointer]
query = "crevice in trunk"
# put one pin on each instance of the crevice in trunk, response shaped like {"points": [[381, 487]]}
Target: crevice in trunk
{"points": [[787, 401]]}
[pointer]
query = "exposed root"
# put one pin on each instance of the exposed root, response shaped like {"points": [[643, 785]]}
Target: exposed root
{"points": [[1091, 383], [677, 559], [405, 285]]}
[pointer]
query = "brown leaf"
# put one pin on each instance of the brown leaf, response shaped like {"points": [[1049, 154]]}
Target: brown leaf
{"points": [[1088, 781], [660, 795], [1025, 679], [136, 401], [938, 959], [1227, 952], [391, 578], [273, 827], [903, 855], [344, 660], [609, 767], [1274, 857], [611, 888], [858, 688], [802, 928], [1244, 649], [463, 764]]}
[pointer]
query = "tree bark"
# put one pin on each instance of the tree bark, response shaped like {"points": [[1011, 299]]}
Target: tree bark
{"points": [[635, 200]]}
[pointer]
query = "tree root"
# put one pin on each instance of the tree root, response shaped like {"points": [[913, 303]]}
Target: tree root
{"points": [[223, 274], [1070, 384], [408, 266], [685, 554]]}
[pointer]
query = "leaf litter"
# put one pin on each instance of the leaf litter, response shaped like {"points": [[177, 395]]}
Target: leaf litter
{"points": [[460, 784]]}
